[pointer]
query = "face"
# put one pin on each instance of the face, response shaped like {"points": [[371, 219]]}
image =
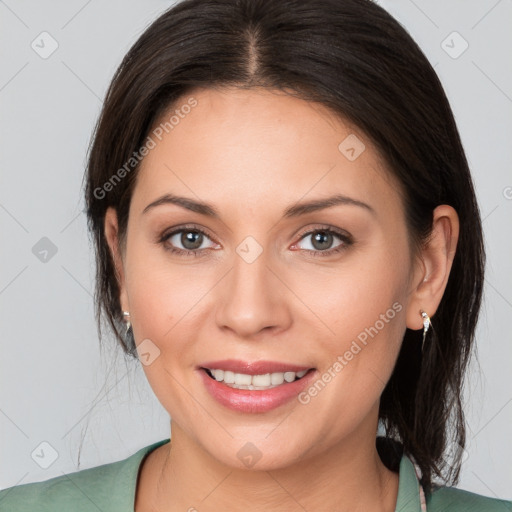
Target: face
{"points": [[267, 289]]}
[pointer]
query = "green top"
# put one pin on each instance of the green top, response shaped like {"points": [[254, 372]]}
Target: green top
{"points": [[111, 487]]}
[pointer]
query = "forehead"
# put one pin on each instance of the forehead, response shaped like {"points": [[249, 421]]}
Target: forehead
{"points": [[245, 148]]}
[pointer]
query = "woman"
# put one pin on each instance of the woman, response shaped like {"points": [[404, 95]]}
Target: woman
{"points": [[287, 236]]}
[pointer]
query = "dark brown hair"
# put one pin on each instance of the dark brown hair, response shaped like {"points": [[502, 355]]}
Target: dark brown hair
{"points": [[353, 57]]}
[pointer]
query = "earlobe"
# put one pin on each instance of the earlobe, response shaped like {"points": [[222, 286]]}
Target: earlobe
{"points": [[435, 263]]}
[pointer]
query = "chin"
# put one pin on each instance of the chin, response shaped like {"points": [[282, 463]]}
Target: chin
{"points": [[257, 455]]}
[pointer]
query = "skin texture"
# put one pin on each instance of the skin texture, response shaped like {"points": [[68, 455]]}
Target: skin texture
{"points": [[251, 154]]}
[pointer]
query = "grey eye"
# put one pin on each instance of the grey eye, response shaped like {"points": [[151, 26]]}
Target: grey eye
{"points": [[189, 239], [321, 240]]}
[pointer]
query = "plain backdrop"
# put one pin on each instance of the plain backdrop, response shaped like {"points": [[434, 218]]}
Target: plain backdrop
{"points": [[57, 387]]}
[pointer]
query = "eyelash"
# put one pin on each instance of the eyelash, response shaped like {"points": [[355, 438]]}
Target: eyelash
{"points": [[182, 252], [343, 236]]}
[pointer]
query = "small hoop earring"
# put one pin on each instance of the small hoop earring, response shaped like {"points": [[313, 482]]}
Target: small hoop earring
{"points": [[426, 325], [128, 324]]}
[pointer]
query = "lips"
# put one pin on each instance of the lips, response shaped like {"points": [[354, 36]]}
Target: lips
{"points": [[254, 387]]}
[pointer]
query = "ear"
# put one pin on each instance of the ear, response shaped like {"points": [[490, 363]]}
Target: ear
{"points": [[433, 266], [111, 234]]}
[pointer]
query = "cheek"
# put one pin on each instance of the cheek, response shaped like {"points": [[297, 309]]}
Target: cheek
{"points": [[356, 362], [366, 289], [362, 308], [164, 299], [162, 292], [167, 303]]}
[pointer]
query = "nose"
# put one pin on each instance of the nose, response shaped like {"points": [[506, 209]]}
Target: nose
{"points": [[252, 299]]}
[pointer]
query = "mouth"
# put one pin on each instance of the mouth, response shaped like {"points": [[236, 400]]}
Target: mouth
{"points": [[256, 375], [254, 387], [258, 382]]}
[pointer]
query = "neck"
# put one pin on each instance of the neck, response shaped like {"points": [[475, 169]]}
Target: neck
{"points": [[348, 477]]}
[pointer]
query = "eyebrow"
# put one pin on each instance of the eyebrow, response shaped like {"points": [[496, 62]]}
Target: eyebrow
{"points": [[292, 211], [184, 202]]}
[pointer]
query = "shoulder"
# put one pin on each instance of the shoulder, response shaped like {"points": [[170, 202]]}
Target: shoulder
{"points": [[106, 487], [441, 498], [82, 490], [451, 499]]}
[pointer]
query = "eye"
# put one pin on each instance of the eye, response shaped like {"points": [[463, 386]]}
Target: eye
{"points": [[186, 241], [322, 241], [189, 241]]}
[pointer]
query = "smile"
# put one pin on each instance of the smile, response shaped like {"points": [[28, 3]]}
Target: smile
{"points": [[254, 387], [253, 382]]}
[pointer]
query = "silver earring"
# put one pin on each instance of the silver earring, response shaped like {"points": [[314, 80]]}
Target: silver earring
{"points": [[426, 326], [128, 324]]}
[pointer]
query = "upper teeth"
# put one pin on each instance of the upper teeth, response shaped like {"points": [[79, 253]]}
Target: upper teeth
{"points": [[244, 381]]}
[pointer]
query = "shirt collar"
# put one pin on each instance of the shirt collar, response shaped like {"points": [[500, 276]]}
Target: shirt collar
{"points": [[408, 499]]}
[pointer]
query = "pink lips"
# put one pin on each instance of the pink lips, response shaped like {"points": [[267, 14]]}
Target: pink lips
{"points": [[254, 401]]}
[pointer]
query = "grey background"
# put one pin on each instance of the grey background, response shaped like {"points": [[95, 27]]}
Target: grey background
{"points": [[56, 385]]}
